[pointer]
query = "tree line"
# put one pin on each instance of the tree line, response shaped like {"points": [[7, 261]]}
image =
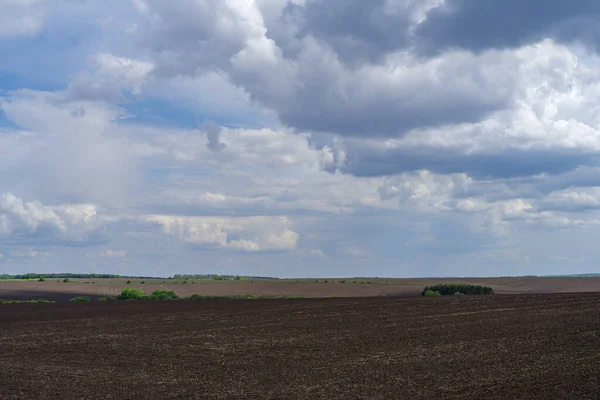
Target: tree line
{"points": [[217, 277], [68, 276]]}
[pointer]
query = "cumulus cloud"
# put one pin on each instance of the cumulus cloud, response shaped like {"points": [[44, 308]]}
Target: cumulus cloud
{"points": [[239, 146], [314, 89], [424, 189], [478, 25], [351, 118], [108, 78], [70, 149], [33, 219], [552, 127], [574, 199], [247, 234]]}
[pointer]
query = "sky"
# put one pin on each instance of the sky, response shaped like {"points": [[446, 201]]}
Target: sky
{"points": [[300, 138]]}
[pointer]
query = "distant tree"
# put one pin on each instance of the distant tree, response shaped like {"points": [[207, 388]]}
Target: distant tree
{"points": [[66, 280], [42, 279]]}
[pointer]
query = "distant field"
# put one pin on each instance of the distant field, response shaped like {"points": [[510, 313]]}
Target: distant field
{"points": [[317, 288], [456, 347]]}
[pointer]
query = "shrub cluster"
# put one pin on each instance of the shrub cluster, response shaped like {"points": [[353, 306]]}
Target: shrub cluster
{"points": [[454, 289], [25, 301], [81, 299], [138, 294]]}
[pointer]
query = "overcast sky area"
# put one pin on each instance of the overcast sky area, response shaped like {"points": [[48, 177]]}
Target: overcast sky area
{"points": [[293, 138]]}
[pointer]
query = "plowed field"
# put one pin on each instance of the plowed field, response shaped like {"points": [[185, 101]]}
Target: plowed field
{"points": [[497, 347], [56, 291]]}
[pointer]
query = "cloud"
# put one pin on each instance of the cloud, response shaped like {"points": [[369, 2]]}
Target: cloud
{"points": [[551, 128], [314, 89], [246, 234], [478, 26], [110, 78], [21, 17], [113, 254], [20, 219], [71, 150], [355, 29], [426, 190], [574, 199], [239, 146], [213, 134]]}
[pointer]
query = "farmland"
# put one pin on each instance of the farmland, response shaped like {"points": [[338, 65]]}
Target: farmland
{"points": [[468, 347], [56, 290]]}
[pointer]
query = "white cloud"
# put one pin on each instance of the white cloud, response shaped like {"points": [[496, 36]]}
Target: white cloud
{"points": [[252, 233], [424, 189], [72, 150], [574, 199], [108, 77], [19, 218]]}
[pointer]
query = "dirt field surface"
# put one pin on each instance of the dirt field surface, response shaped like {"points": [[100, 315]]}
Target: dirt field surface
{"points": [[460, 347], [58, 291]]}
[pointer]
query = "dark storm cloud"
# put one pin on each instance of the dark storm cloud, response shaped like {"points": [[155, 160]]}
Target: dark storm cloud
{"points": [[489, 164], [479, 25]]}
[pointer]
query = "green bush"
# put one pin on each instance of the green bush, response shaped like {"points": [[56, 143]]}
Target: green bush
{"points": [[42, 279], [81, 299], [164, 295], [132, 294], [129, 282], [66, 280], [431, 293], [453, 289]]}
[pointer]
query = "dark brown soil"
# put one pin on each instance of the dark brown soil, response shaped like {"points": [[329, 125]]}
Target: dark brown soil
{"points": [[52, 290], [495, 347]]}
